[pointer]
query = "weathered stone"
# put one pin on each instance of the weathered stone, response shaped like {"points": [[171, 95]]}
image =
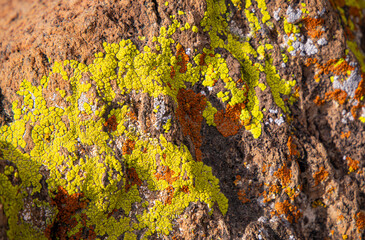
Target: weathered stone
{"points": [[182, 119]]}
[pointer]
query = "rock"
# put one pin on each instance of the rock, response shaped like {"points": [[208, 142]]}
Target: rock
{"points": [[182, 120]]}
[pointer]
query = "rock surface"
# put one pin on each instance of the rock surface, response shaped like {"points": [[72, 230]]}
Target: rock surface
{"points": [[182, 119]]}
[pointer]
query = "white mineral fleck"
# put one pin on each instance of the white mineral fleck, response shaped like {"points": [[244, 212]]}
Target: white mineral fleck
{"points": [[279, 121], [350, 84], [310, 48], [293, 15], [80, 102], [276, 14], [322, 41]]}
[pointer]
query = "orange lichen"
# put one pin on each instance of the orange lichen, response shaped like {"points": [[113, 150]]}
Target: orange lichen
{"points": [[354, 11], [182, 57], [313, 26], [132, 115], [284, 175], [190, 115], [340, 218], [318, 203], [128, 147], [265, 167], [360, 90], [165, 173], [68, 207], [320, 176], [355, 109], [85, 232], [338, 95], [170, 194], [185, 189], [292, 148], [335, 66], [331, 190], [228, 120], [275, 188], [360, 221], [293, 192], [311, 61], [318, 101], [132, 179], [172, 73], [111, 124], [242, 196], [289, 211], [353, 164], [345, 134], [348, 33], [238, 179], [202, 59], [337, 3]]}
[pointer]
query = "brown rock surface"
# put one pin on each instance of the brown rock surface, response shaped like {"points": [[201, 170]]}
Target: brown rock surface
{"points": [[302, 178]]}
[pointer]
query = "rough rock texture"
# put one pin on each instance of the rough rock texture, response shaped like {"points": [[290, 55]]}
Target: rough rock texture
{"points": [[182, 119]]}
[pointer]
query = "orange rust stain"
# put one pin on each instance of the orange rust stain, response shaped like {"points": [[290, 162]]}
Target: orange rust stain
{"points": [[292, 148], [166, 174], [289, 211], [360, 221], [190, 115], [68, 206], [320, 176], [111, 124], [128, 147], [132, 179], [313, 26], [345, 134], [182, 57], [284, 174], [353, 164]]}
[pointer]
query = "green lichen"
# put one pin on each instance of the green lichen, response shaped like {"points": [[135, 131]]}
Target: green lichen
{"points": [[215, 24], [167, 126], [208, 114]]}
